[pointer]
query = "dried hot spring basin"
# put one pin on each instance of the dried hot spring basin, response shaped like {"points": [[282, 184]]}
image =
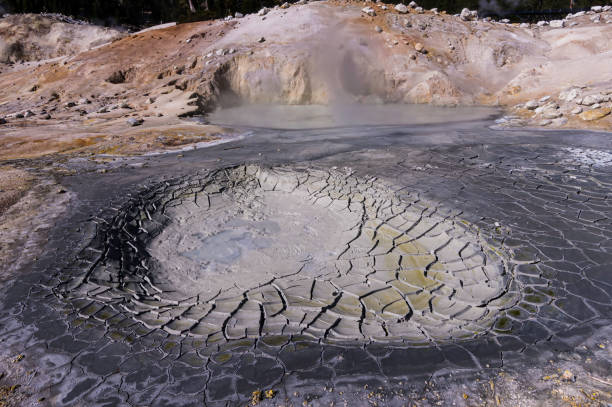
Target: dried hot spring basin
{"points": [[249, 252]]}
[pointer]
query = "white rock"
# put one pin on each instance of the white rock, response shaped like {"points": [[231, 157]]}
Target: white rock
{"points": [[412, 4], [419, 10], [577, 110], [542, 23], [220, 52], [557, 23], [468, 15], [401, 8], [505, 21], [231, 51], [579, 14], [544, 99], [209, 55], [532, 105], [569, 95], [434, 10], [369, 11], [384, 8], [607, 8], [592, 99], [545, 122], [263, 11], [238, 15], [378, 29], [228, 18], [524, 25], [597, 9]]}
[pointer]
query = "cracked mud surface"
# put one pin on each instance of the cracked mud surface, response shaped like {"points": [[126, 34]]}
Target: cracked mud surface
{"points": [[504, 235]]}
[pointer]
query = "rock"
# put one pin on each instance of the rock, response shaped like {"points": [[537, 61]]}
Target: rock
{"points": [[369, 11], [468, 15], [47, 116], [569, 95], [552, 114], [262, 39], [103, 109], [84, 101], [231, 51], [532, 105], [559, 122], [557, 23], [28, 113], [592, 99], [544, 99], [238, 15], [151, 100], [542, 23], [188, 40], [125, 105], [263, 11], [384, 8], [378, 29], [595, 114], [285, 5], [3, 120], [401, 8], [434, 10], [545, 122], [568, 376], [412, 4], [419, 47], [596, 19], [607, 8], [132, 121], [419, 10], [69, 105], [597, 9], [220, 52], [524, 25], [596, 106], [577, 110], [504, 21], [412, 56], [116, 77]]}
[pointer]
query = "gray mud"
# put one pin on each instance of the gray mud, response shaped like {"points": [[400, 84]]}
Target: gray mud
{"points": [[104, 318]]}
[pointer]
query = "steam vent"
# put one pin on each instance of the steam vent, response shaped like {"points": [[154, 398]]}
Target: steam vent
{"points": [[248, 252]]}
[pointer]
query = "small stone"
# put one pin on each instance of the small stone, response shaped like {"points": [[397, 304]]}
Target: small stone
{"points": [[263, 11], [285, 5], [378, 29], [532, 105], [595, 114], [418, 10], [544, 99], [262, 39], [29, 113], [384, 8], [504, 21], [132, 121], [188, 40], [412, 4], [545, 122], [238, 15], [3, 120], [524, 25], [220, 52], [542, 23], [70, 104], [419, 47]]}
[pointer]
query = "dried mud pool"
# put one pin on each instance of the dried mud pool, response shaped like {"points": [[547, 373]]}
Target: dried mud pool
{"points": [[312, 265]]}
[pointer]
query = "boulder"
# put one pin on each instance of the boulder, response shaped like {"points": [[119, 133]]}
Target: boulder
{"points": [[412, 4], [597, 9], [595, 114], [263, 11], [238, 15], [532, 105], [369, 11], [592, 99], [401, 8], [557, 23], [285, 5], [468, 15], [542, 23], [132, 121]]}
